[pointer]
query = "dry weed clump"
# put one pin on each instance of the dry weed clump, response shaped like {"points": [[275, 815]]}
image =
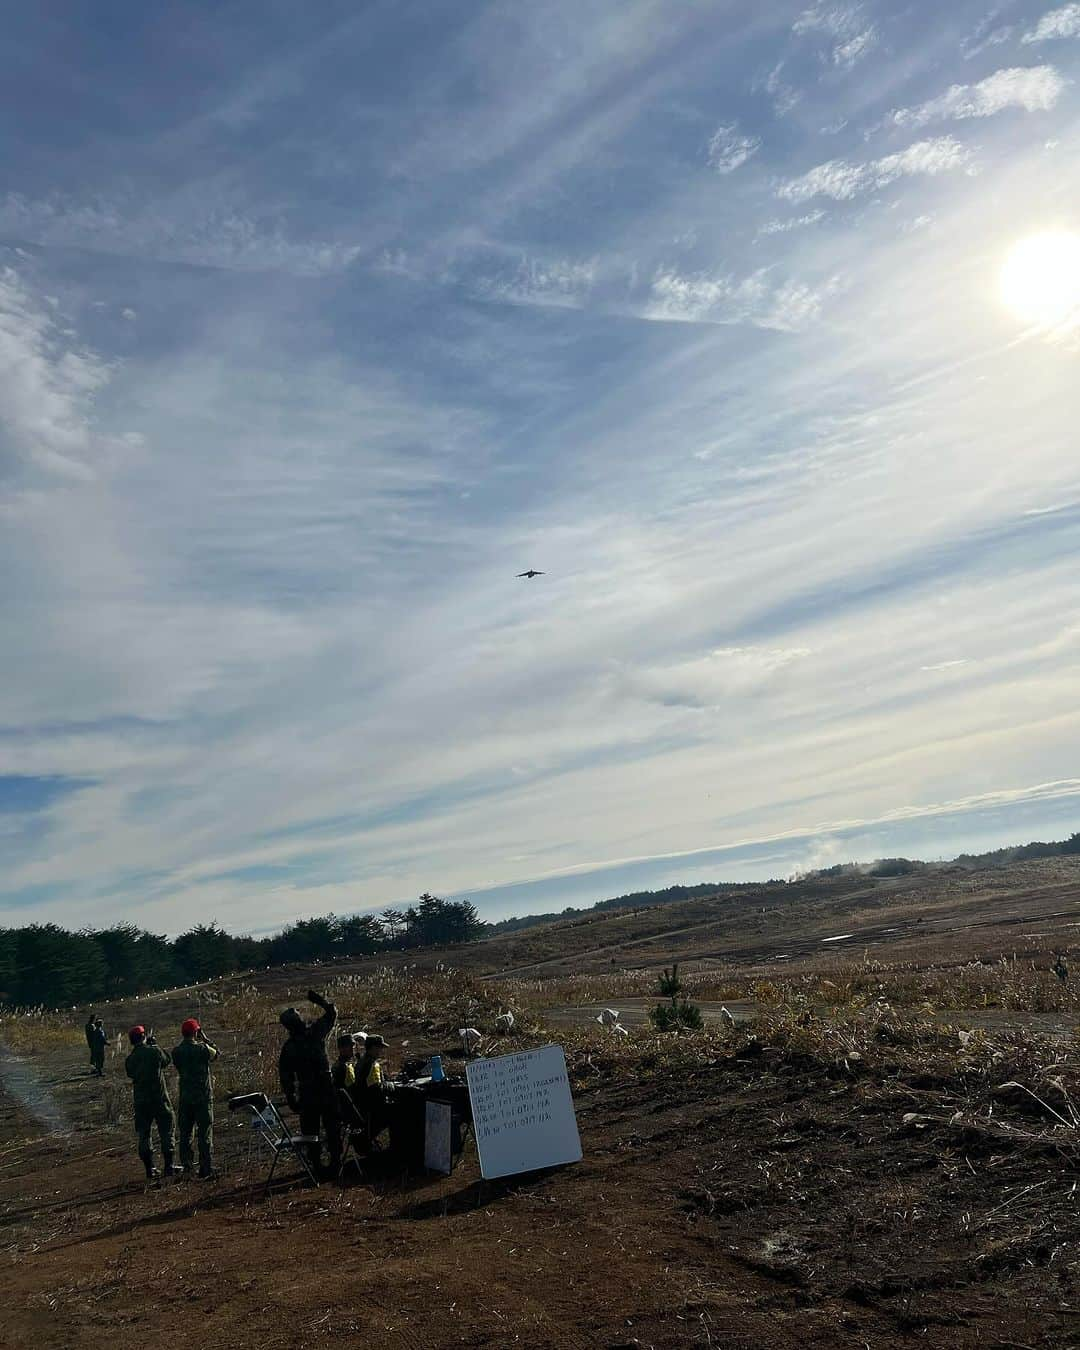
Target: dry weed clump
{"points": [[1009, 984], [39, 1031], [978, 1080]]}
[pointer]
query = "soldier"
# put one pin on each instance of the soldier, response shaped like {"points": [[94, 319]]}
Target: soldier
{"points": [[304, 1071], [89, 1029], [1060, 968], [193, 1057], [145, 1066], [98, 1040]]}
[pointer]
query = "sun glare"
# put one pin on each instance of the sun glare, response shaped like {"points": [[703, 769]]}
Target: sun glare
{"points": [[1040, 278]]}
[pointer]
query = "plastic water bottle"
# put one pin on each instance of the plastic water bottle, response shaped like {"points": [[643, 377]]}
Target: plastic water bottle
{"points": [[437, 1074]]}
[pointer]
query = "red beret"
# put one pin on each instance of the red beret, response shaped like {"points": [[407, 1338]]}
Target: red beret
{"points": [[137, 1034], [189, 1027]]}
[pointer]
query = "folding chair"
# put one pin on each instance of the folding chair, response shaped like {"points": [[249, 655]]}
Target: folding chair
{"points": [[355, 1132], [269, 1125]]}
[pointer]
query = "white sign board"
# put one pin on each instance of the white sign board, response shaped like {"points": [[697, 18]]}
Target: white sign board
{"points": [[437, 1123], [523, 1114]]}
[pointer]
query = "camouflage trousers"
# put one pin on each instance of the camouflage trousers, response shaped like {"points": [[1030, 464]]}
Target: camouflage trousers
{"points": [[147, 1115], [196, 1118]]}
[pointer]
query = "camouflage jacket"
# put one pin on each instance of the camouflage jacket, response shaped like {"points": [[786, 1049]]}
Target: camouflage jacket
{"points": [[193, 1060], [146, 1066]]}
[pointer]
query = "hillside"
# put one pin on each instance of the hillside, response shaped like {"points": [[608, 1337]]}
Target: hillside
{"points": [[942, 915]]}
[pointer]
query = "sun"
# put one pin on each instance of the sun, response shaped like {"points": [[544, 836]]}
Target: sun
{"points": [[1040, 278]]}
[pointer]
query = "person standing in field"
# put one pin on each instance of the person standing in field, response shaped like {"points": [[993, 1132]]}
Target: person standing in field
{"points": [[192, 1058], [89, 1029], [304, 1070], [98, 1040], [145, 1066]]}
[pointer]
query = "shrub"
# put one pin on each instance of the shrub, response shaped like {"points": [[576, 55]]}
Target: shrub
{"points": [[678, 1015]]}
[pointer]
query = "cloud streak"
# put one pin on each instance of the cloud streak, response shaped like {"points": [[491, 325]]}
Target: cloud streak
{"points": [[1032, 89], [786, 306], [218, 238], [47, 386], [851, 36], [1055, 24], [844, 179], [729, 148]]}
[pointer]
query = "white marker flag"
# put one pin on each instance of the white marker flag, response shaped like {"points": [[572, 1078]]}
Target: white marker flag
{"points": [[523, 1114]]}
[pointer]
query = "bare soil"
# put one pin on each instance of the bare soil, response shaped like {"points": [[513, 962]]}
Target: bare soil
{"points": [[754, 1195]]}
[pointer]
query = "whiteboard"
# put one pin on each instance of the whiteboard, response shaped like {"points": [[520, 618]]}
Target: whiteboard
{"points": [[437, 1149], [523, 1114]]}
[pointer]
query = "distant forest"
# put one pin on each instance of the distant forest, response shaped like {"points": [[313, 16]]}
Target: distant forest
{"points": [[45, 965], [635, 900], [896, 867]]}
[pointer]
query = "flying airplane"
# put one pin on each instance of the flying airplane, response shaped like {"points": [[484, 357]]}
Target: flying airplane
{"points": [[532, 572]]}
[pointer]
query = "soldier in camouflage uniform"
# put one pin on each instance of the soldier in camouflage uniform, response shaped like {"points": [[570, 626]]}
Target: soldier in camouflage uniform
{"points": [[304, 1070], [145, 1066], [193, 1057]]}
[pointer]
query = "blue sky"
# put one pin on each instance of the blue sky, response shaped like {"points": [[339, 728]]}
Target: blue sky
{"points": [[318, 324]]}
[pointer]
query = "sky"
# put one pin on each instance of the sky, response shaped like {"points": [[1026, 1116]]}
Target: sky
{"points": [[318, 324]]}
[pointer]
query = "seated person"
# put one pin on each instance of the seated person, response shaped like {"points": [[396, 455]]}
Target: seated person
{"points": [[370, 1090], [343, 1071]]}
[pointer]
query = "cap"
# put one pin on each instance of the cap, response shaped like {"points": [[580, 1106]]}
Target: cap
{"points": [[137, 1033], [344, 1040], [375, 1043], [189, 1027]]}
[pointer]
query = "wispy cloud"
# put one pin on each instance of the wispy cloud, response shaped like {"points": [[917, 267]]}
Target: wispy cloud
{"points": [[986, 36], [206, 237], [47, 385], [756, 299], [843, 179], [782, 92], [562, 283], [791, 223], [851, 35], [1056, 23], [1033, 88], [724, 673], [730, 148]]}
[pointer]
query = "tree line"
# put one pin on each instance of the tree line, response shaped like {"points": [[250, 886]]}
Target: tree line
{"points": [[895, 867], [44, 964]]}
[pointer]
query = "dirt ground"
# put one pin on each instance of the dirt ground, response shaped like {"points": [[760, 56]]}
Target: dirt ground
{"points": [[751, 1195], [765, 1199]]}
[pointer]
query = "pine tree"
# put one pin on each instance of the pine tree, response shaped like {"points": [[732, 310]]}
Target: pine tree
{"points": [[678, 1014]]}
